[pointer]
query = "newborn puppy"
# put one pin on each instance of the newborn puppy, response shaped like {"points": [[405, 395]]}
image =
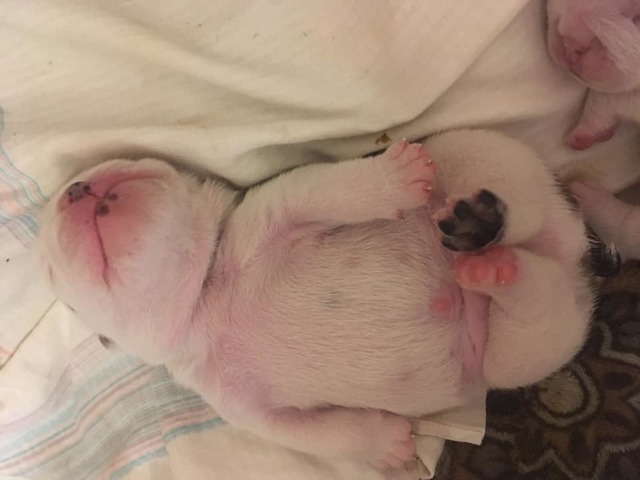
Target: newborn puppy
{"points": [[325, 308], [598, 41]]}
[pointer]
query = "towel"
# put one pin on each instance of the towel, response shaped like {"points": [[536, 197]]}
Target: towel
{"points": [[242, 90]]}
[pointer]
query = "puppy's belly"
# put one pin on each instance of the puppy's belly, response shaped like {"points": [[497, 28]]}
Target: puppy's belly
{"points": [[374, 322], [473, 336], [470, 310], [411, 365]]}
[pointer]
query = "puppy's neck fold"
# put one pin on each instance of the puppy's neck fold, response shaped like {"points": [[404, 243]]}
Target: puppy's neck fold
{"points": [[216, 203]]}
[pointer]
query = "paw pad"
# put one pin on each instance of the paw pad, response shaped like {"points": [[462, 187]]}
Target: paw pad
{"points": [[472, 223]]}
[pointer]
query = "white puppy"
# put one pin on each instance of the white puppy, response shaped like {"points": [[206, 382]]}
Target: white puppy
{"points": [[598, 41], [320, 309]]}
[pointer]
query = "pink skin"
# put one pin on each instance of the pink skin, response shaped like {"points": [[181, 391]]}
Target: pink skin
{"points": [[417, 171], [495, 267], [598, 42], [108, 236], [584, 136], [321, 311], [601, 115]]}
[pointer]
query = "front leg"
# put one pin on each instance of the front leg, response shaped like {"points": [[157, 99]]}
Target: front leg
{"points": [[324, 196]]}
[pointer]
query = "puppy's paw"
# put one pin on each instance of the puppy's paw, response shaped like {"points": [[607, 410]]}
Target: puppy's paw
{"points": [[496, 266], [469, 224], [585, 136], [411, 173], [391, 441]]}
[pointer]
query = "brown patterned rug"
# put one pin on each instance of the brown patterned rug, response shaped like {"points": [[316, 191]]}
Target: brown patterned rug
{"points": [[582, 423]]}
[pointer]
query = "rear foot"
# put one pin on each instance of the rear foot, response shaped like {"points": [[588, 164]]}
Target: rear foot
{"points": [[583, 137], [392, 443], [470, 224], [494, 267]]}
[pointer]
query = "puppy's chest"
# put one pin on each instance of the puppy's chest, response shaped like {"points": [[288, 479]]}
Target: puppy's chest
{"points": [[324, 309], [384, 246]]}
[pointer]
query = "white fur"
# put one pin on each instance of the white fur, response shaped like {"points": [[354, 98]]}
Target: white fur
{"points": [[612, 28], [598, 41], [302, 313]]}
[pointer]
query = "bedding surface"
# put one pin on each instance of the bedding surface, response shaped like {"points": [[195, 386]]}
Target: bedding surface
{"points": [[241, 90]]}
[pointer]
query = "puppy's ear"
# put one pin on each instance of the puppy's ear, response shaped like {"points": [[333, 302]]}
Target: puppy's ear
{"points": [[107, 342]]}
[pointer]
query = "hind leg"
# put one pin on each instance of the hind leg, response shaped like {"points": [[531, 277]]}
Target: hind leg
{"points": [[536, 323], [382, 439]]}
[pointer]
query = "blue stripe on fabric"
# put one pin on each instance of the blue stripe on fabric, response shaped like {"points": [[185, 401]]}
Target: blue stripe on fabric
{"points": [[23, 234], [99, 452], [26, 222], [24, 180], [134, 418], [197, 427], [19, 184], [72, 412], [168, 437]]}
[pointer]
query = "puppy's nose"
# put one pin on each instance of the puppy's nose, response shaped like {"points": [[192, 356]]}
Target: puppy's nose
{"points": [[77, 191]]}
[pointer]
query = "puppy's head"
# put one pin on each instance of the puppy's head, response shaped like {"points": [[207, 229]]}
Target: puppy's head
{"points": [[598, 41], [127, 245]]}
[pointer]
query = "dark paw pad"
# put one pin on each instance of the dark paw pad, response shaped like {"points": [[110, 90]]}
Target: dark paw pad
{"points": [[473, 223]]}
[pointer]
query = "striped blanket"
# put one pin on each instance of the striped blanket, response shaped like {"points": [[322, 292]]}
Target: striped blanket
{"points": [[244, 90], [107, 414]]}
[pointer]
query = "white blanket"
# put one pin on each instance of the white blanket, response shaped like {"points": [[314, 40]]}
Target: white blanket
{"points": [[243, 90]]}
